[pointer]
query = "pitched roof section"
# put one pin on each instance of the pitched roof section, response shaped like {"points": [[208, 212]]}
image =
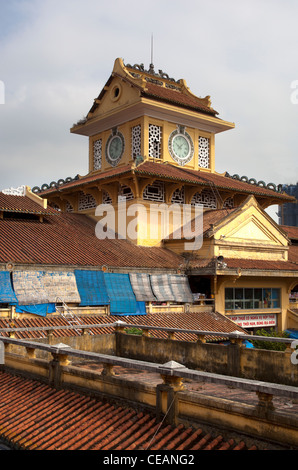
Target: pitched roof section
{"points": [[173, 173], [251, 264], [292, 232], [69, 239], [203, 178], [205, 321], [23, 205], [210, 217], [157, 86], [176, 97], [35, 416]]}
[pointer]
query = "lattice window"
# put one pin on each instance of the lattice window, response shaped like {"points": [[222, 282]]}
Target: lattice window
{"points": [[136, 139], [125, 191], [97, 154], [206, 198], [155, 192], [204, 152], [178, 196], [55, 206], [68, 207], [86, 201], [155, 139], [229, 203], [106, 198]]}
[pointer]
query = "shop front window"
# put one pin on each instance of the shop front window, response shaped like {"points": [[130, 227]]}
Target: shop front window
{"points": [[242, 298]]}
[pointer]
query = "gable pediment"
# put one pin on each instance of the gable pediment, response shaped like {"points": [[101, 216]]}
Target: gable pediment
{"points": [[116, 94], [252, 230], [249, 232]]}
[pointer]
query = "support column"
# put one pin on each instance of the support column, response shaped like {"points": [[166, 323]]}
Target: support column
{"points": [[60, 359], [166, 393], [265, 402], [108, 370]]}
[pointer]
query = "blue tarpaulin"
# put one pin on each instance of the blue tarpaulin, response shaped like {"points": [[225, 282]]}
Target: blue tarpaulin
{"points": [[141, 308], [7, 295], [248, 344], [293, 333], [91, 287], [38, 309], [122, 298]]}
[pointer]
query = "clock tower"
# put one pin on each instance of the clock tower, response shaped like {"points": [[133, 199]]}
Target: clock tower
{"points": [[146, 113], [152, 142]]}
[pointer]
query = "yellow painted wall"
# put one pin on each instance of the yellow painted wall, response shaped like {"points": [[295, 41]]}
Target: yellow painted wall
{"points": [[167, 129], [283, 284]]}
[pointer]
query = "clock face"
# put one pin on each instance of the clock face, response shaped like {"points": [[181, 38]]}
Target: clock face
{"points": [[181, 147], [114, 148]]}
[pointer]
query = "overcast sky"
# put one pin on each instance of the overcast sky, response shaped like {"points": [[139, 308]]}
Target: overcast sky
{"points": [[56, 55]]}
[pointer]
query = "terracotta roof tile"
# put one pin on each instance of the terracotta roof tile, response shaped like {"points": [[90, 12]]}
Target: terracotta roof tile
{"points": [[292, 232], [206, 179], [251, 264], [70, 239], [172, 172], [35, 416], [82, 180], [23, 204], [207, 321], [176, 97], [291, 265]]}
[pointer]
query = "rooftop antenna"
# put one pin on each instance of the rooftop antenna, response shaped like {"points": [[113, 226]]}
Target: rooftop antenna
{"points": [[151, 67]]}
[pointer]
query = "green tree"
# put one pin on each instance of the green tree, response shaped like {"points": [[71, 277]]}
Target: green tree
{"points": [[259, 344]]}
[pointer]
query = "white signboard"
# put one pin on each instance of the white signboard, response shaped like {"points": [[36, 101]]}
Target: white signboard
{"points": [[254, 321]]}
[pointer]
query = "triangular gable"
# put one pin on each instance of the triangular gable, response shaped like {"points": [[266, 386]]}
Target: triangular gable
{"points": [[118, 93], [250, 224]]}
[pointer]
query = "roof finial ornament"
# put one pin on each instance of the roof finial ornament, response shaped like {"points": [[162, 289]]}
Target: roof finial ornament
{"points": [[151, 66]]}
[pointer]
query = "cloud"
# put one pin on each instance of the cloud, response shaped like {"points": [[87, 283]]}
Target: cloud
{"points": [[57, 55]]}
